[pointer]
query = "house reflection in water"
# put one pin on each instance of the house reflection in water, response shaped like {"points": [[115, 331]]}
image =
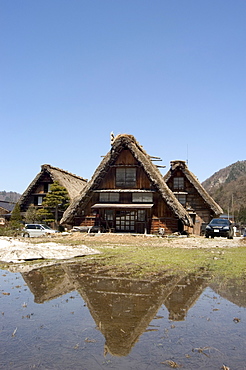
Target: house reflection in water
{"points": [[122, 308]]}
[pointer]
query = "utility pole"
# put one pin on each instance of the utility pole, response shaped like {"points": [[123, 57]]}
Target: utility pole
{"points": [[232, 206]]}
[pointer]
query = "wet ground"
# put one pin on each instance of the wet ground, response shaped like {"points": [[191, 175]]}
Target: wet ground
{"points": [[67, 316]]}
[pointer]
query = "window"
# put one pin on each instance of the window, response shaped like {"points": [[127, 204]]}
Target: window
{"points": [[109, 197], [181, 198], [38, 200], [142, 197], [125, 220], [126, 177], [30, 227], [178, 183], [46, 188], [141, 215], [109, 214]]}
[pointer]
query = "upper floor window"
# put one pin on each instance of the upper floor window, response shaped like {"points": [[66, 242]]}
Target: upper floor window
{"points": [[178, 183], [181, 198], [109, 197], [126, 177], [142, 197], [46, 188], [38, 200]]}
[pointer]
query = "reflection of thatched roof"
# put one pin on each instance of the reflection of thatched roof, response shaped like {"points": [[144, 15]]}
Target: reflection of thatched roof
{"points": [[121, 308], [122, 142], [232, 289], [184, 295], [181, 165], [48, 283], [71, 182]]}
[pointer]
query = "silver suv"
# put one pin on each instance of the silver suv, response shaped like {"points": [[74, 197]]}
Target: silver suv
{"points": [[35, 230]]}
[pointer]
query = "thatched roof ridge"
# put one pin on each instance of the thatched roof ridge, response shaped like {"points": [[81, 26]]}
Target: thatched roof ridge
{"points": [[195, 182], [121, 142], [71, 182]]}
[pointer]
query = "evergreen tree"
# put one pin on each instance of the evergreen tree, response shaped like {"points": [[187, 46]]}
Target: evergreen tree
{"points": [[45, 215], [54, 204], [16, 218]]}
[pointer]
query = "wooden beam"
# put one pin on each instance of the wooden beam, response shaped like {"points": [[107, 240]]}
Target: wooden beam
{"points": [[151, 156]]}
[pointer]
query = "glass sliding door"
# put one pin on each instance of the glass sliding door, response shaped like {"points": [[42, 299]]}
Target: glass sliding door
{"points": [[125, 221]]}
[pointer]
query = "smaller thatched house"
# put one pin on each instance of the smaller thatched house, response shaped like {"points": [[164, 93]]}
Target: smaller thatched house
{"points": [[127, 193], [40, 186], [5, 211], [191, 194]]}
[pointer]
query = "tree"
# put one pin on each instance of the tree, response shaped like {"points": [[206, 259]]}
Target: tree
{"points": [[31, 215], [16, 218], [241, 215], [45, 215], [54, 204]]}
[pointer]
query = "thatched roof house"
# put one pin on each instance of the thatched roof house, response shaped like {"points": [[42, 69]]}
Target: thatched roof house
{"points": [[191, 194], [127, 193], [39, 187], [5, 211]]}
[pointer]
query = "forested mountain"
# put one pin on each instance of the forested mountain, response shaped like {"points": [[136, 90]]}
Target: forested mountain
{"points": [[9, 196], [228, 189]]}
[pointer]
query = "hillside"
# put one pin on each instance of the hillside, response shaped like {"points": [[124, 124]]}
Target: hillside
{"points": [[9, 196], [228, 187]]}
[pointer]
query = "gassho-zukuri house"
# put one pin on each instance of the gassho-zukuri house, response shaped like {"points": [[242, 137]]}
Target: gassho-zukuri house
{"points": [[192, 195], [127, 193], [40, 186]]}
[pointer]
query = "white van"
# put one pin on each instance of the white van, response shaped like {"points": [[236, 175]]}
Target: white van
{"points": [[35, 230]]}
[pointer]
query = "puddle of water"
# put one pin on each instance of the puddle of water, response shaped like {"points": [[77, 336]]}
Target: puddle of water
{"points": [[67, 316]]}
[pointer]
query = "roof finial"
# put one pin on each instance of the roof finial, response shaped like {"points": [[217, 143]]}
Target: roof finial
{"points": [[111, 137]]}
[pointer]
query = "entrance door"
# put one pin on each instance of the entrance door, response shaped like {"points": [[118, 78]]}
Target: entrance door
{"points": [[125, 221]]}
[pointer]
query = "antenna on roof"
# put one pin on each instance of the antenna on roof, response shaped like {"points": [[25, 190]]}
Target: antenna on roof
{"points": [[187, 154]]}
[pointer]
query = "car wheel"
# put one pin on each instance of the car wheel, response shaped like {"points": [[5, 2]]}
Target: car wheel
{"points": [[26, 235], [206, 236]]}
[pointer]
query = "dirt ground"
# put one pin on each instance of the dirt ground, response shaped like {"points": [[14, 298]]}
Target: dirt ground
{"points": [[145, 240]]}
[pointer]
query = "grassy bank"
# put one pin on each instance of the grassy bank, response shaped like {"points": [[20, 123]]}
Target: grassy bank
{"points": [[152, 256], [153, 260]]}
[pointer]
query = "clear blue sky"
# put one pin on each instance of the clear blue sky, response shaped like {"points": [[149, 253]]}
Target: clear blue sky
{"points": [[170, 72]]}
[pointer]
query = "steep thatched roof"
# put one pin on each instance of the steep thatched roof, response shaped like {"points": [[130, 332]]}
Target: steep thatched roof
{"points": [[181, 165], [73, 183], [120, 143]]}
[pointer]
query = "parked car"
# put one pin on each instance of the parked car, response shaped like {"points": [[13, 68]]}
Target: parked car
{"points": [[35, 230], [219, 227]]}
